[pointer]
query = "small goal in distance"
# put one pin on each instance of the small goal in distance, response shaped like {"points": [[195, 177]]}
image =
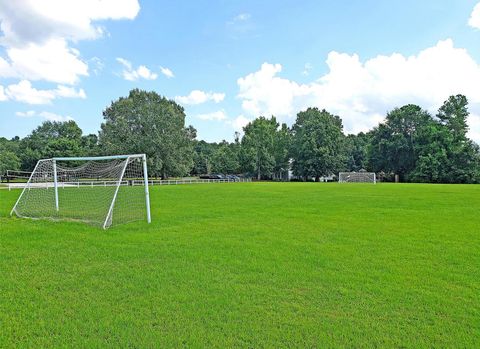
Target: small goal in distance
{"points": [[102, 191], [357, 177]]}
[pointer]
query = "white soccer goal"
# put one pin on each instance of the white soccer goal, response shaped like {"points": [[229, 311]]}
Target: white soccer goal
{"points": [[103, 191], [357, 177]]}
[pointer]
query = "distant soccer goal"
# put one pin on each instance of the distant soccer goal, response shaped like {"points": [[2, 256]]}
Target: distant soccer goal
{"points": [[102, 191], [357, 177]]}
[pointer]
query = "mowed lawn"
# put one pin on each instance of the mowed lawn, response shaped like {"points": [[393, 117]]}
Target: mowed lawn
{"points": [[251, 265]]}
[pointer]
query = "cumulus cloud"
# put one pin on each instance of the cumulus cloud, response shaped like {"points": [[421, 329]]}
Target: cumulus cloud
{"points": [[132, 74], [36, 35], [35, 21], [51, 61], [3, 96], [167, 72], [474, 20], [362, 92], [215, 116], [199, 97], [26, 93], [239, 122], [236, 124], [44, 114]]}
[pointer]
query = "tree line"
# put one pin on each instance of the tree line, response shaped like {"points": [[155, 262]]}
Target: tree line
{"points": [[411, 143]]}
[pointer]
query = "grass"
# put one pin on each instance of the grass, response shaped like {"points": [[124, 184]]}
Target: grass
{"points": [[251, 265]]}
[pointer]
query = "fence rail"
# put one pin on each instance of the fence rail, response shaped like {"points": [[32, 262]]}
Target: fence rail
{"points": [[127, 182]]}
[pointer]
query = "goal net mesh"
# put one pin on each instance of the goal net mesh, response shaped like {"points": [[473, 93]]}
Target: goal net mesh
{"points": [[99, 192], [357, 177]]}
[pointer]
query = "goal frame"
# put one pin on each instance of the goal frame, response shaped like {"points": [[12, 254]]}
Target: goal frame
{"points": [[94, 158], [357, 173]]}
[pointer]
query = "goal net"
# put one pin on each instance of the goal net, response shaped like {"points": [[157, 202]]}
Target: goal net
{"points": [[102, 191], [357, 177]]}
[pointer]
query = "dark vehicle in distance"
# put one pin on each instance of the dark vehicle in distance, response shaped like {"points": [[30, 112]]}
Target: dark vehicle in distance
{"points": [[212, 176], [220, 176]]}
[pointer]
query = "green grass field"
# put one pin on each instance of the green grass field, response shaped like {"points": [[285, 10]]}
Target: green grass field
{"points": [[251, 265]]}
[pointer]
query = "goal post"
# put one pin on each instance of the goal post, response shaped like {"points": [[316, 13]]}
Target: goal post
{"points": [[102, 190], [357, 177]]}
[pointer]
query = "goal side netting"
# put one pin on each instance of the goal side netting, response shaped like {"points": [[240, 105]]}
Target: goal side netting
{"points": [[357, 177], [102, 191]]}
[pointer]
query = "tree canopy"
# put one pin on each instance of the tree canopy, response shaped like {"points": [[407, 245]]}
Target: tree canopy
{"points": [[257, 147], [411, 143], [318, 145], [145, 122]]}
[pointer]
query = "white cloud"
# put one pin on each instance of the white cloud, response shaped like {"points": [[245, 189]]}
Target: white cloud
{"points": [[264, 93], [29, 21], [240, 25], [69, 92], [474, 20], [167, 72], [51, 61], [3, 96], [98, 65], [242, 17], [239, 122], [54, 117], [306, 69], [215, 116], [24, 92], [44, 114], [132, 74], [474, 123], [199, 97], [27, 114], [37, 35], [361, 93]]}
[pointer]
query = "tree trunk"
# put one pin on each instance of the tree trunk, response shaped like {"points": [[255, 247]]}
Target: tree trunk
{"points": [[317, 178], [258, 166]]}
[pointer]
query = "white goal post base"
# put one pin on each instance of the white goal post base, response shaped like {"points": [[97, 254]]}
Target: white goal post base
{"points": [[357, 177], [75, 188]]}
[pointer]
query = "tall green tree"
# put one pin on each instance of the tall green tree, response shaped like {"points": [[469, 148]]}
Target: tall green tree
{"points": [[257, 147], [89, 145], [281, 151], [454, 114], [145, 122], [202, 157], [318, 147], [461, 152], [50, 139], [392, 148], [8, 161], [357, 151], [431, 146], [225, 159]]}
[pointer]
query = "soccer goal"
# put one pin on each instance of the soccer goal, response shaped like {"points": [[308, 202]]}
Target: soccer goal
{"points": [[357, 177], [103, 191]]}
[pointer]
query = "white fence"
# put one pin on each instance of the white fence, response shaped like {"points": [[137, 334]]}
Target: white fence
{"points": [[135, 182]]}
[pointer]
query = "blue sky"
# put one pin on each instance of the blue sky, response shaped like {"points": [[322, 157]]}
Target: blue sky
{"points": [[241, 59]]}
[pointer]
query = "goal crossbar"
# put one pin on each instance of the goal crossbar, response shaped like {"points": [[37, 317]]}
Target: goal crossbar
{"points": [[97, 158]]}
